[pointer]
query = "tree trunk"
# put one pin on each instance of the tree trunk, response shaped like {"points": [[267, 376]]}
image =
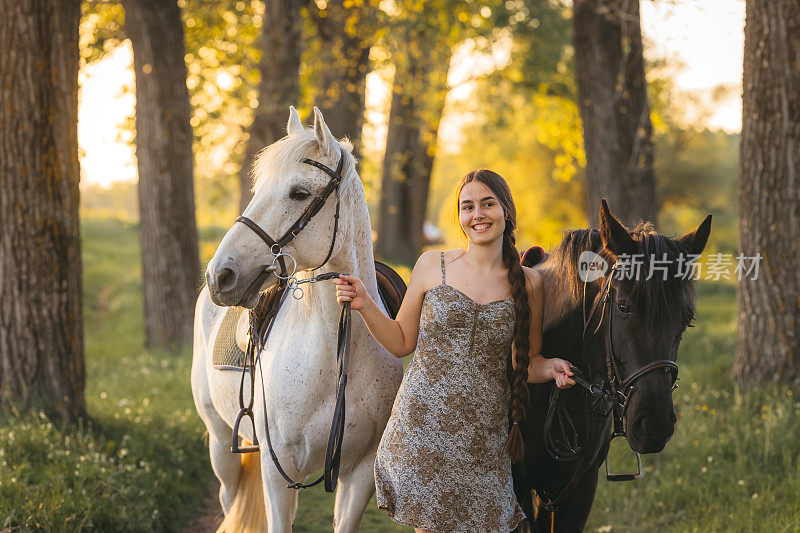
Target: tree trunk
{"points": [[769, 194], [279, 87], [41, 322], [345, 39], [170, 264], [418, 95], [612, 98]]}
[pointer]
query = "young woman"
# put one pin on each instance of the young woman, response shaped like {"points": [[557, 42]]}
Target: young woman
{"points": [[444, 461]]}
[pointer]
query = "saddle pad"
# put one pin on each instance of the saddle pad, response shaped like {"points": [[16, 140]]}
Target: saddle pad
{"points": [[227, 354]]}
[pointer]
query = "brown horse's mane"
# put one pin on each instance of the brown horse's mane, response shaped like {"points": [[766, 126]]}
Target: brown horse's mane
{"points": [[660, 300]]}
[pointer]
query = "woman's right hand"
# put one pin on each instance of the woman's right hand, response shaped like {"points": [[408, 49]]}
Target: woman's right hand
{"points": [[350, 289]]}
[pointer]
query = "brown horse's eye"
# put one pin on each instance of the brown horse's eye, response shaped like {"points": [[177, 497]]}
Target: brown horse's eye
{"points": [[625, 308]]}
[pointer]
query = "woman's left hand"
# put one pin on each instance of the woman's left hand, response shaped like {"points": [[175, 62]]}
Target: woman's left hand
{"points": [[561, 373]]}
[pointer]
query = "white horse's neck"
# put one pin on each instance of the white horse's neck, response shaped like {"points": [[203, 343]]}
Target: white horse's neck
{"points": [[352, 252]]}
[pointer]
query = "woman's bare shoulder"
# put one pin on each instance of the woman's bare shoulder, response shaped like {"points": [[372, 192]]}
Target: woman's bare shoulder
{"points": [[427, 268], [428, 260]]}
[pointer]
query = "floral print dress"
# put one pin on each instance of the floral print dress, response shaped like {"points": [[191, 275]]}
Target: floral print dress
{"points": [[441, 463]]}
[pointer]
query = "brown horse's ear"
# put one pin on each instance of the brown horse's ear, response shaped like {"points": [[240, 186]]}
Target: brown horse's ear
{"points": [[616, 238], [695, 241]]}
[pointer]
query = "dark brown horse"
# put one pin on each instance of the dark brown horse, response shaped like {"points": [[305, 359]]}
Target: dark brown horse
{"points": [[648, 317]]}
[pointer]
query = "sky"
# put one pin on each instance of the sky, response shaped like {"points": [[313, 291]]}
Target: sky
{"points": [[707, 36], [703, 39]]}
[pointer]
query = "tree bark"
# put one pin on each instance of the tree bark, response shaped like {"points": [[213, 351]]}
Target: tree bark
{"points": [[279, 86], [41, 322], [769, 194], [418, 95], [345, 39], [170, 263], [612, 98]]}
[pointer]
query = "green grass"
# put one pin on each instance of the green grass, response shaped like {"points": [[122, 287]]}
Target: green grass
{"points": [[140, 463]]}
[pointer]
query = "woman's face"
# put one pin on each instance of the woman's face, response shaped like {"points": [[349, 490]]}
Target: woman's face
{"points": [[480, 214]]}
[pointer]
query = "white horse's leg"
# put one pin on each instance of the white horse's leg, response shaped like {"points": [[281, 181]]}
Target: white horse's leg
{"points": [[353, 494], [226, 465], [281, 502]]}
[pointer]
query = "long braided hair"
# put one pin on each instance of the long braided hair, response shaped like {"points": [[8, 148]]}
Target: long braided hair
{"points": [[522, 313]]}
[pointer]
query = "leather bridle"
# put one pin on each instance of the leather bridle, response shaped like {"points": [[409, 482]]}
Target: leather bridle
{"points": [[276, 246], [260, 328], [611, 397], [620, 389]]}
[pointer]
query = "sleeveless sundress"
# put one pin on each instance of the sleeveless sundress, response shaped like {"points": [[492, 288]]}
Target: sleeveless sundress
{"points": [[441, 463]]}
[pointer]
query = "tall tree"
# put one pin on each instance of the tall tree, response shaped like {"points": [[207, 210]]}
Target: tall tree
{"points": [[170, 263], [345, 34], [41, 323], [612, 98], [769, 194], [279, 86], [418, 95], [421, 36]]}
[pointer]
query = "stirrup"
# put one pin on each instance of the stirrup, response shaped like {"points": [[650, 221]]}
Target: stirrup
{"points": [[623, 476], [245, 412]]}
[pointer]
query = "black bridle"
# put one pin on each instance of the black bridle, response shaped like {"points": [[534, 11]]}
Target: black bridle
{"points": [[609, 398], [260, 328]]}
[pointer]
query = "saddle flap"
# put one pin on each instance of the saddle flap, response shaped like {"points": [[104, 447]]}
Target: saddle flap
{"points": [[391, 287]]}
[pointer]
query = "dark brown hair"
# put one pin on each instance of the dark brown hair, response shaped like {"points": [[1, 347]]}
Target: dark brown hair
{"points": [[522, 321]]}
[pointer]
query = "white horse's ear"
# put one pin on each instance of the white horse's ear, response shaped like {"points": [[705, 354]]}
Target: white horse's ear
{"points": [[327, 143], [294, 125]]}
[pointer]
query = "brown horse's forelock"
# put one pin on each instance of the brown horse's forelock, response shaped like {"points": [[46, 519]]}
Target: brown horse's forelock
{"points": [[659, 300]]}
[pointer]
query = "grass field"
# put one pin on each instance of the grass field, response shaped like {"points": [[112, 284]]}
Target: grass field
{"points": [[140, 463]]}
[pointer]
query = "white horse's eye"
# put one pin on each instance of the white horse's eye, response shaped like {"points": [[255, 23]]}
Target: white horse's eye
{"points": [[297, 193]]}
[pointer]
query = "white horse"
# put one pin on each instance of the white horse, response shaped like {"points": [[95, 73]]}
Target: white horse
{"points": [[299, 359]]}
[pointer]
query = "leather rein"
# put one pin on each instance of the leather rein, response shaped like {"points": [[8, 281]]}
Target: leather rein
{"points": [[611, 398], [261, 326]]}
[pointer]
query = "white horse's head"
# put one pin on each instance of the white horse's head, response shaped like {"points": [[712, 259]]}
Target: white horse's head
{"points": [[284, 188]]}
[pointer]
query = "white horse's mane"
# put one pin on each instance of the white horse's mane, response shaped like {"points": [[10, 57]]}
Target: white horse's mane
{"points": [[277, 158]]}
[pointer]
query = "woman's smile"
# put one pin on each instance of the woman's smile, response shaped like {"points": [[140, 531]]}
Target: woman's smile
{"points": [[479, 212]]}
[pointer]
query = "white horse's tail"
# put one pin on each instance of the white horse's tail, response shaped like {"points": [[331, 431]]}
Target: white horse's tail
{"points": [[247, 512]]}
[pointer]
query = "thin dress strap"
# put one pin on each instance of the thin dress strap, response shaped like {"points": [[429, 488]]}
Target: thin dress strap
{"points": [[443, 268]]}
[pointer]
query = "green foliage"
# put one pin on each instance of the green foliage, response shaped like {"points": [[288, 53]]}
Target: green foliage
{"points": [[527, 132], [536, 147], [102, 29], [222, 54], [541, 50]]}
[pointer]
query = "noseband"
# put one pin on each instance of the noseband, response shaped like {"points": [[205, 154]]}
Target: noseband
{"points": [[261, 328], [612, 397]]}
